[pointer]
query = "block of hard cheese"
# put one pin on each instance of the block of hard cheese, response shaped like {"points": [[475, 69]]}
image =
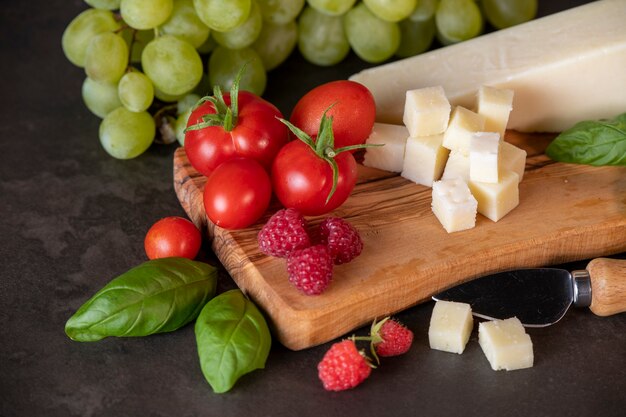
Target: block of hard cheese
{"points": [[506, 344], [564, 68], [389, 156], [450, 327]]}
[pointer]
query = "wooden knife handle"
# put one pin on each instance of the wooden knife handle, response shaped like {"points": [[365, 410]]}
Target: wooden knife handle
{"points": [[608, 286]]}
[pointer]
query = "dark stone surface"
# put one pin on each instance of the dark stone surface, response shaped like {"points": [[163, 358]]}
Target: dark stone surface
{"points": [[72, 218]]}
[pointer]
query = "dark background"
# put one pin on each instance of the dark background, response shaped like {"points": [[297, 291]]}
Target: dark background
{"points": [[72, 218]]}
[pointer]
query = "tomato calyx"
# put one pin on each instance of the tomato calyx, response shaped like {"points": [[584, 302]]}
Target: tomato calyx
{"points": [[324, 145], [225, 116]]}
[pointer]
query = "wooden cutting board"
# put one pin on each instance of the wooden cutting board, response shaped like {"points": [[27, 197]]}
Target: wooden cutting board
{"points": [[567, 212]]}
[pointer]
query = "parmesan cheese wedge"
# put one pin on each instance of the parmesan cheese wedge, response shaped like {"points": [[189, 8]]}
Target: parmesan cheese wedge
{"points": [[564, 68]]}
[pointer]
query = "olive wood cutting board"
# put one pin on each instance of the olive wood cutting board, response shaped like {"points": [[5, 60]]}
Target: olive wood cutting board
{"points": [[567, 212]]}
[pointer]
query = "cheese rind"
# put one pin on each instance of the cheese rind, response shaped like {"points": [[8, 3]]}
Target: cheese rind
{"points": [[506, 344], [484, 156], [450, 327], [463, 124], [426, 111], [496, 200], [496, 105], [390, 156], [453, 205], [424, 159], [548, 62]]}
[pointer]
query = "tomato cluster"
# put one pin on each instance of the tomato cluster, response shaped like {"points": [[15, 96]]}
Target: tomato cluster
{"points": [[243, 145]]}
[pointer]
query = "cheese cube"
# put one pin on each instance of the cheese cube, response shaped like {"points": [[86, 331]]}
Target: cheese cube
{"points": [[463, 123], [506, 344], [426, 111], [513, 159], [424, 159], [450, 326], [497, 200], [458, 165], [453, 205], [496, 105], [390, 156], [484, 156]]}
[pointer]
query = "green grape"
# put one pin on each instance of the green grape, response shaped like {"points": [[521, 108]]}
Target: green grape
{"points": [[374, 40], [125, 134], [391, 10], [167, 98], [208, 46], [505, 13], [104, 4], [136, 91], [416, 37], [100, 98], [424, 10], [321, 38], [458, 20], [224, 64], [280, 12], [106, 58], [173, 65], [223, 15], [187, 103], [185, 24], [332, 7], [146, 14], [180, 125], [137, 40], [243, 35], [275, 43], [81, 29]]}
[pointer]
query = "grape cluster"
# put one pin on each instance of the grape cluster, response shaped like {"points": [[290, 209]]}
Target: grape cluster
{"points": [[147, 62]]}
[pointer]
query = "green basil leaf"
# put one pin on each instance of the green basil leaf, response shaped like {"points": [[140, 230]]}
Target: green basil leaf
{"points": [[596, 143], [233, 339], [157, 296]]}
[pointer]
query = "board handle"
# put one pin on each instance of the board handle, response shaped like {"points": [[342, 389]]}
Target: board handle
{"points": [[608, 286]]}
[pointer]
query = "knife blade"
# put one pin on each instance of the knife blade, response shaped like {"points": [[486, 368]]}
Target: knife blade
{"points": [[539, 297]]}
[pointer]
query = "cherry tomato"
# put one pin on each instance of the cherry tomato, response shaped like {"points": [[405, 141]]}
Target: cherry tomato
{"points": [[237, 193], [353, 111], [256, 133], [303, 180], [172, 236]]}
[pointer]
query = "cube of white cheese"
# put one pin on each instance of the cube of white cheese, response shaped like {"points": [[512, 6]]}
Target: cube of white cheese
{"points": [[454, 205], [463, 123], [426, 111], [450, 327], [496, 105], [506, 344], [458, 165], [424, 159], [496, 200], [390, 156], [513, 159], [484, 156]]}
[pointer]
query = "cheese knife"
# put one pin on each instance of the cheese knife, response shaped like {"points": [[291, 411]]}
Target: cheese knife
{"points": [[539, 297]]}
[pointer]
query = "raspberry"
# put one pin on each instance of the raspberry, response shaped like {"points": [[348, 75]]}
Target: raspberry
{"points": [[342, 239], [343, 367], [283, 233], [310, 269], [391, 338]]}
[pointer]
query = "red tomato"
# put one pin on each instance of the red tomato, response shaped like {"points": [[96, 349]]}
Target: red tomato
{"points": [[237, 193], [353, 111], [303, 180], [256, 134], [172, 236]]}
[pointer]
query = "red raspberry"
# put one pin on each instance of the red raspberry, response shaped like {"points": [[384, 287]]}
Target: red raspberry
{"points": [[391, 338], [310, 269], [342, 239], [283, 233], [343, 367]]}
